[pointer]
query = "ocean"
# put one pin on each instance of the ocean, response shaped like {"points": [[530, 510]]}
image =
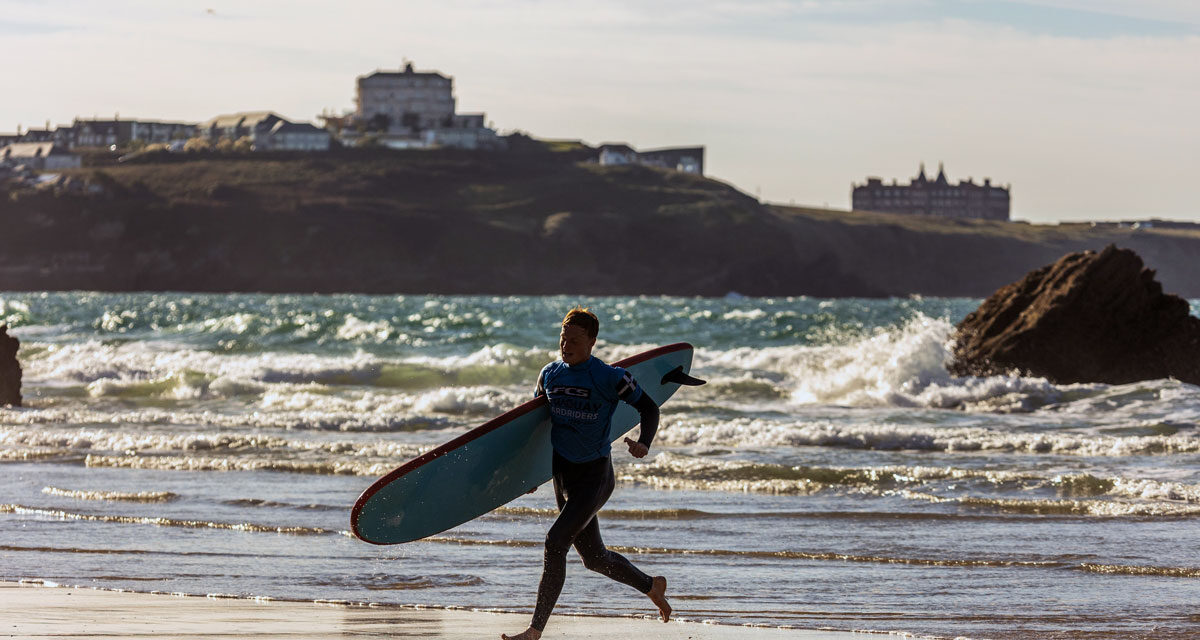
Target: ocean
{"points": [[830, 475]]}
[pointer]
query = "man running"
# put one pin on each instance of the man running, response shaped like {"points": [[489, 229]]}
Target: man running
{"points": [[583, 393]]}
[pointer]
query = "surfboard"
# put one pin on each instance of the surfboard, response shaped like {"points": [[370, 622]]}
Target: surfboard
{"points": [[496, 462]]}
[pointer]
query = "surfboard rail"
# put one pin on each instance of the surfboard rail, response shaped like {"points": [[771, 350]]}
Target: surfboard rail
{"points": [[478, 432]]}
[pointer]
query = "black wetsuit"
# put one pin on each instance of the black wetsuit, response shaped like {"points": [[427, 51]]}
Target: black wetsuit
{"points": [[581, 488]]}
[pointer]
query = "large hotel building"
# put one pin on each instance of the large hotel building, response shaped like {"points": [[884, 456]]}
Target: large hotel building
{"points": [[936, 197]]}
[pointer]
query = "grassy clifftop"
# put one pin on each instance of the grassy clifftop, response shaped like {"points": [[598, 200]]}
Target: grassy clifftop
{"points": [[930, 256], [520, 222]]}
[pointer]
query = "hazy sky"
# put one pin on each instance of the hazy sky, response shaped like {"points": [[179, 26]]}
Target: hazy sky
{"points": [[1088, 108]]}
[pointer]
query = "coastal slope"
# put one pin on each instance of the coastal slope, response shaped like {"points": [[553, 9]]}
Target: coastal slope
{"points": [[541, 221]]}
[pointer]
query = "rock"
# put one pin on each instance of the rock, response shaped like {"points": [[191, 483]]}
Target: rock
{"points": [[1090, 317], [10, 369]]}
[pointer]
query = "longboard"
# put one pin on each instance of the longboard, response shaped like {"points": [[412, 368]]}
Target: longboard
{"points": [[494, 463]]}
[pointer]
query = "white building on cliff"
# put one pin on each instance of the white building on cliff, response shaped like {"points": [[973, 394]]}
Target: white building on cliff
{"points": [[415, 109]]}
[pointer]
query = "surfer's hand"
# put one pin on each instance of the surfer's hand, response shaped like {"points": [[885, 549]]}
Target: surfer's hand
{"points": [[637, 449]]}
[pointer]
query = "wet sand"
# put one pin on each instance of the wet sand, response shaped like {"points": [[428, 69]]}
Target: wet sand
{"points": [[36, 611]]}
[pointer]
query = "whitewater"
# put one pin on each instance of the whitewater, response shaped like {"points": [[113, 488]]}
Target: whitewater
{"points": [[831, 474]]}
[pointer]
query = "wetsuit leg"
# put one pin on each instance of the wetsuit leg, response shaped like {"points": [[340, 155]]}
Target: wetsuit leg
{"points": [[600, 559], [580, 490]]}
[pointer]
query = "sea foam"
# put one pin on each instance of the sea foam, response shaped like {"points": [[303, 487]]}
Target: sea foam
{"points": [[775, 432]]}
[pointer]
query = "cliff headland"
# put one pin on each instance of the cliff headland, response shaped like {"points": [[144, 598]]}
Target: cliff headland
{"points": [[529, 221]]}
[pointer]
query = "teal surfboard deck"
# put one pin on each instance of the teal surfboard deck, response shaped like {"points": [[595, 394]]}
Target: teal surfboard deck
{"points": [[492, 464]]}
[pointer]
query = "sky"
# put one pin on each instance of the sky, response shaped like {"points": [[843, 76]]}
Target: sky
{"points": [[1088, 108]]}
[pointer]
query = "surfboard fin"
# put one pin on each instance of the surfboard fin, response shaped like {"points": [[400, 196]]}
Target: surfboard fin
{"points": [[677, 376]]}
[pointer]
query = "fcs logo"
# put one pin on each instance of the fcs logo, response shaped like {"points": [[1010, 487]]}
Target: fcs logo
{"points": [[574, 392]]}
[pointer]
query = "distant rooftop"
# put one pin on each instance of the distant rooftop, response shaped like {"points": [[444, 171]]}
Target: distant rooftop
{"points": [[295, 127], [31, 149], [243, 118], [407, 71], [119, 120]]}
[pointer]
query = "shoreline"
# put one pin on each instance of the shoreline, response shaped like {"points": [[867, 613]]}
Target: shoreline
{"points": [[37, 608]]}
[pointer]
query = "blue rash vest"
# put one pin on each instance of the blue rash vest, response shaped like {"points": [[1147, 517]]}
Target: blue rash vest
{"points": [[582, 399]]}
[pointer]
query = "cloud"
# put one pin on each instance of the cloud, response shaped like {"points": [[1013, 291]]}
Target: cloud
{"points": [[1179, 11], [796, 98]]}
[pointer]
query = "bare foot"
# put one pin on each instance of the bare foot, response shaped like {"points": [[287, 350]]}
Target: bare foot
{"points": [[528, 634], [658, 595]]}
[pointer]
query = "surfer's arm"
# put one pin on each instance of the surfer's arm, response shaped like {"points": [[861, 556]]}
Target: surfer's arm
{"points": [[540, 390], [649, 413], [629, 391]]}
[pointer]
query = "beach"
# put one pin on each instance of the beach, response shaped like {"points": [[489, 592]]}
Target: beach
{"points": [[831, 475], [37, 611]]}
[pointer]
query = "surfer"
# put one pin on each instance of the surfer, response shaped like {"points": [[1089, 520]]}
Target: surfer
{"points": [[583, 393]]}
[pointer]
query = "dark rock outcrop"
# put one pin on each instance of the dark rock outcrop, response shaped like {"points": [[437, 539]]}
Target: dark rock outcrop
{"points": [[1089, 317], [10, 369]]}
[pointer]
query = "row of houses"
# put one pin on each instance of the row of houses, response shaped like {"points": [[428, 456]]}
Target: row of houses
{"points": [[266, 130], [104, 133], [684, 159], [402, 109], [49, 149]]}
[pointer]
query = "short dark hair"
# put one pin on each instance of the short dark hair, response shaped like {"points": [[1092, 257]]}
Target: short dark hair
{"points": [[583, 318]]}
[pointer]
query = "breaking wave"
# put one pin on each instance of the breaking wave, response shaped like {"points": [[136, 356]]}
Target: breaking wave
{"points": [[134, 442], [202, 452], [1126, 570], [166, 522], [114, 496], [1105, 508], [901, 366], [673, 471], [134, 369], [771, 432], [196, 463], [779, 554], [1159, 498], [369, 418]]}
